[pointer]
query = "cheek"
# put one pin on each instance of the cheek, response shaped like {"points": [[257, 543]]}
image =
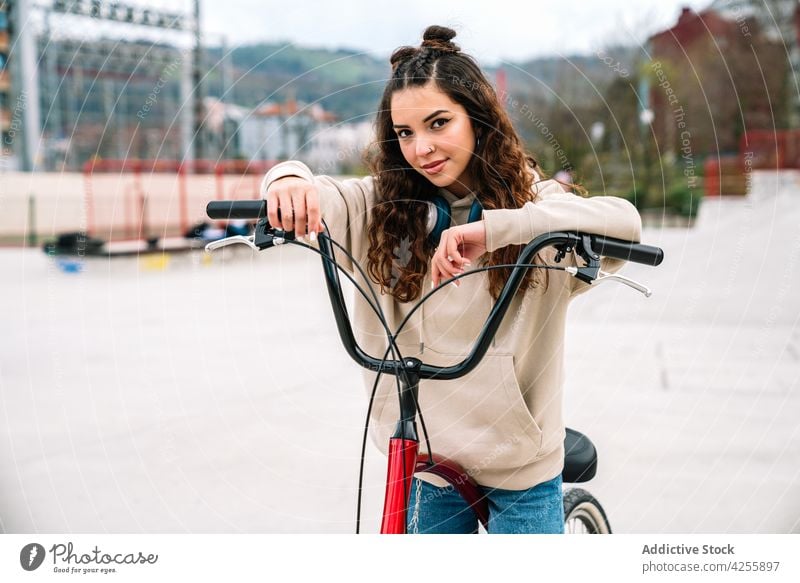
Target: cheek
{"points": [[461, 148], [462, 142], [406, 150]]}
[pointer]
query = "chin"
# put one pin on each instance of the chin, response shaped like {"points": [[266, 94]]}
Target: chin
{"points": [[440, 181]]}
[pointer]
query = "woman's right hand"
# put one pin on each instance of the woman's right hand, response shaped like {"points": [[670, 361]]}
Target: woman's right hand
{"points": [[298, 202]]}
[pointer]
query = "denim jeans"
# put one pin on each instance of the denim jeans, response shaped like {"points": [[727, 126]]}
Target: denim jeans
{"points": [[537, 510]]}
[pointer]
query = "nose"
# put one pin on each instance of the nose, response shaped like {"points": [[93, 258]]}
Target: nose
{"points": [[423, 148]]}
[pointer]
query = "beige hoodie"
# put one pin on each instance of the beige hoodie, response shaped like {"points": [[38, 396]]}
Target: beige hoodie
{"points": [[503, 421]]}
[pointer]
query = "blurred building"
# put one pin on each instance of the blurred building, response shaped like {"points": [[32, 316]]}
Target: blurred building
{"points": [[277, 131], [6, 101], [779, 20], [284, 130], [713, 76], [94, 79], [338, 149], [119, 80], [107, 98]]}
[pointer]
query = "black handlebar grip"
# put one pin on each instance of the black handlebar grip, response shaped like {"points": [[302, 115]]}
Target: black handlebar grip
{"points": [[236, 209], [636, 252]]}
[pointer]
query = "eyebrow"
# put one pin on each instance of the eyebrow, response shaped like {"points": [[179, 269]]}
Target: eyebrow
{"points": [[431, 116]]}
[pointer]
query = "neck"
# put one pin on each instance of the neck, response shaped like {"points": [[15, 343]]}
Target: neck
{"points": [[460, 188]]}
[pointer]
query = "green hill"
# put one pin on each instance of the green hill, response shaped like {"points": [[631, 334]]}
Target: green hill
{"points": [[344, 82], [350, 83]]}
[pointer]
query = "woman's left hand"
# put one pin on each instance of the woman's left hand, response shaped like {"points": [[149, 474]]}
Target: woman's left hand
{"points": [[458, 248]]}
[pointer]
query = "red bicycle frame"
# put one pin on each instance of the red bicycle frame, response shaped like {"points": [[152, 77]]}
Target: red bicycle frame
{"points": [[404, 454], [402, 457], [404, 460]]}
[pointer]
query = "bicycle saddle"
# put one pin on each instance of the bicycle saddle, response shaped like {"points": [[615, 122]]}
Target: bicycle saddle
{"points": [[580, 458]]}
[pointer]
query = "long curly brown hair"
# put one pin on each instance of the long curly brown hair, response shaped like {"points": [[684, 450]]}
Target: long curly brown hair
{"points": [[400, 249]]}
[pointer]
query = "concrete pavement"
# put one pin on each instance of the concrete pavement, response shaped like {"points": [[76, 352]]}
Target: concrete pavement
{"points": [[214, 396]]}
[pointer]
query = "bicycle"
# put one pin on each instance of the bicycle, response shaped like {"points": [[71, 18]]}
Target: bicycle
{"points": [[583, 513]]}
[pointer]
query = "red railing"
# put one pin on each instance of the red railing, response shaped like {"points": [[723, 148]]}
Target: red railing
{"points": [[135, 219], [771, 149]]}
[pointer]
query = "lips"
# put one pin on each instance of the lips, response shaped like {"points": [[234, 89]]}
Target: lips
{"points": [[434, 167]]}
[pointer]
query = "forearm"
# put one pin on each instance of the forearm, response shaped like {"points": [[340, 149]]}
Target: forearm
{"points": [[602, 215]]}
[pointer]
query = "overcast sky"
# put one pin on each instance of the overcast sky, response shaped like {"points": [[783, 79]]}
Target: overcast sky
{"points": [[491, 30]]}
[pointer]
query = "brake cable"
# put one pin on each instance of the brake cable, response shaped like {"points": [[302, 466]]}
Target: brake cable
{"points": [[376, 308]]}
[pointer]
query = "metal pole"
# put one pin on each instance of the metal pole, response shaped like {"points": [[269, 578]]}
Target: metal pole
{"points": [[186, 111], [225, 76], [27, 78], [197, 75], [32, 241]]}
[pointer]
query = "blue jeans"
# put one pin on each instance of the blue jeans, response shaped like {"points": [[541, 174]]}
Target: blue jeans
{"points": [[538, 510]]}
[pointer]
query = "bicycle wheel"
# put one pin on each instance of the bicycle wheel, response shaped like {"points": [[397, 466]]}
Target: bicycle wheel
{"points": [[583, 514]]}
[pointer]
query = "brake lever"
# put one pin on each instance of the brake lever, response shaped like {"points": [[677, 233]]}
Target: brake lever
{"points": [[604, 276], [627, 281], [263, 237], [247, 240]]}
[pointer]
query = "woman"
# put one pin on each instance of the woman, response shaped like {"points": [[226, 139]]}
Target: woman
{"points": [[442, 132]]}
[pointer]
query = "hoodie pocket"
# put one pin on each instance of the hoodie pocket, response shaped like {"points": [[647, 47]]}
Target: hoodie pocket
{"points": [[480, 421]]}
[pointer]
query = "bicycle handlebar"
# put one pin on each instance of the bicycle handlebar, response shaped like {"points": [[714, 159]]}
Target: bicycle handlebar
{"points": [[589, 246], [236, 209], [635, 252], [605, 246]]}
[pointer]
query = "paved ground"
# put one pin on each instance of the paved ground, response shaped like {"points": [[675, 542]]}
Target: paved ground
{"points": [[214, 397]]}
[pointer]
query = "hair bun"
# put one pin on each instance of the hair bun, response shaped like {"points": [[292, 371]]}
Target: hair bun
{"points": [[439, 37], [400, 55]]}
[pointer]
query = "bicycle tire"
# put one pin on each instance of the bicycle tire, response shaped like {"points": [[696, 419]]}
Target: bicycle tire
{"points": [[583, 514]]}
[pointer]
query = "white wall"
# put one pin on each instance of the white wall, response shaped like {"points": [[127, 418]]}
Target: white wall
{"points": [[63, 201]]}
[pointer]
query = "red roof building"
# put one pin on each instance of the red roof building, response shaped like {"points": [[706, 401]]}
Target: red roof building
{"points": [[712, 77]]}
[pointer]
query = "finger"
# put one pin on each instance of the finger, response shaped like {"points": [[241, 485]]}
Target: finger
{"points": [[445, 260], [272, 209], [456, 250], [448, 271], [453, 252], [286, 210], [299, 206], [312, 207], [435, 275], [446, 276]]}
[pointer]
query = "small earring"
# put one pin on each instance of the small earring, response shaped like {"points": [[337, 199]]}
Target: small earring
{"points": [[478, 143]]}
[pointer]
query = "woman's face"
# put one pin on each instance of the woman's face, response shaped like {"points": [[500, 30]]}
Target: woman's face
{"points": [[435, 136]]}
